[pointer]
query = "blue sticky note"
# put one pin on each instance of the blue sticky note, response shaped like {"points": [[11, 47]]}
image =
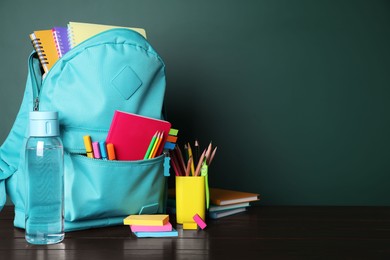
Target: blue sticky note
{"points": [[169, 146]]}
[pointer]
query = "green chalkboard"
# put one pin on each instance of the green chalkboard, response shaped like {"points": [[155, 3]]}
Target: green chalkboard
{"points": [[295, 94]]}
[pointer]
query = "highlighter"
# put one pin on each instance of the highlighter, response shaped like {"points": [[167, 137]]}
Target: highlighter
{"points": [[88, 146], [96, 150], [103, 150], [111, 151]]}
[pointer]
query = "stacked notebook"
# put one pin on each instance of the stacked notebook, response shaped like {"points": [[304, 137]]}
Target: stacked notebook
{"points": [[150, 225], [223, 202], [228, 202], [52, 44]]}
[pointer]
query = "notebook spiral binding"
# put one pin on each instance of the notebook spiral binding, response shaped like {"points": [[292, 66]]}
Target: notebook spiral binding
{"points": [[71, 37], [58, 42], [41, 53]]}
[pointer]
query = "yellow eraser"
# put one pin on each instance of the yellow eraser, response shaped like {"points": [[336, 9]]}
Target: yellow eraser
{"points": [[190, 225]]}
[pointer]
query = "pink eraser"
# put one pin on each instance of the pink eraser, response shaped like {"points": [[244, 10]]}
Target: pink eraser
{"points": [[96, 150], [166, 227], [199, 221]]}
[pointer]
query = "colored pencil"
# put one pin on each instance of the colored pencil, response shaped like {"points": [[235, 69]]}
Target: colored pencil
{"points": [[150, 147], [158, 142], [200, 162], [212, 155], [189, 163], [192, 161]]}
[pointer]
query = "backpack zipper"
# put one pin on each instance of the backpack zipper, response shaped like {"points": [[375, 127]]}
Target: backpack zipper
{"points": [[36, 104], [34, 84]]}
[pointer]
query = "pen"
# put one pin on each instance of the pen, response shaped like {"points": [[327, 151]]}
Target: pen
{"points": [[88, 146]]}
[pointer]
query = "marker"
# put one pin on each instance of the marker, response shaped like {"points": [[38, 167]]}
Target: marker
{"points": [[204, 172], [88, 146], [96, 150], [103, 150], [111, 151]]}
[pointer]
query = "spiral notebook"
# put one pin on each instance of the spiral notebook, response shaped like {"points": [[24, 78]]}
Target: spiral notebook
{"points": [[61, 40], [45, 47], [79, 32]]}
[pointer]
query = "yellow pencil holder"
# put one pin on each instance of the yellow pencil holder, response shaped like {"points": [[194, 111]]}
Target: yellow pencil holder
{"points": [[190, 198]]}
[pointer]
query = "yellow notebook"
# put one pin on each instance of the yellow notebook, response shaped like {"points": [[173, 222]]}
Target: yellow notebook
{"points": [[146, 220], [45, 46], [79, 32]]}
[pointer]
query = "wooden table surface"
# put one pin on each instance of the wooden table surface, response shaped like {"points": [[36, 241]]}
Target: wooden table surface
{"points": [[260, 233]]}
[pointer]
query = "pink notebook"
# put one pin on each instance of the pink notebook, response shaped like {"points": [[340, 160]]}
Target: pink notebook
{"points": [[131, 134], [166, 227]]}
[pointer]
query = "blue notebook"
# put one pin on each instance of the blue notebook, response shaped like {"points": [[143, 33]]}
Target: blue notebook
{"points": [[172, 233]]}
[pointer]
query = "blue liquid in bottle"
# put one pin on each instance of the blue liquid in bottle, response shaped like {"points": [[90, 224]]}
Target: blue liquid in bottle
{"points": [[45, 181]]}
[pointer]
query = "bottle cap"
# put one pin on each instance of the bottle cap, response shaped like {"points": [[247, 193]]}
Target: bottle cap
{"points": [[44, 123]]}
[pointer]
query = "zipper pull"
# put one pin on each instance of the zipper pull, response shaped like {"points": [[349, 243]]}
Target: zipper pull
{"points": [[167, 159], [36, 104]]}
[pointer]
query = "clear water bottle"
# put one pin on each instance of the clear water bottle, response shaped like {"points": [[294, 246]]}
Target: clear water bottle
{"points": [[45, 180]]}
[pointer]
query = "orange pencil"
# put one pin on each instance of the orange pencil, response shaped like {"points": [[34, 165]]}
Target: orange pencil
{"points": [[158, 141]]}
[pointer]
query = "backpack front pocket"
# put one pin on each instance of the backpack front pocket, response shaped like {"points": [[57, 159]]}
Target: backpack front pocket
{"points": [[98, 189]]}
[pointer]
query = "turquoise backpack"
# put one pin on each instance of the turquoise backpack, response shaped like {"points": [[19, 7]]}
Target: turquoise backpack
{"points": [[114, 70]]}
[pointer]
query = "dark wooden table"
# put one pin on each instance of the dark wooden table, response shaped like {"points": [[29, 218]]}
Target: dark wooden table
{"points": [[260, 233]]}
